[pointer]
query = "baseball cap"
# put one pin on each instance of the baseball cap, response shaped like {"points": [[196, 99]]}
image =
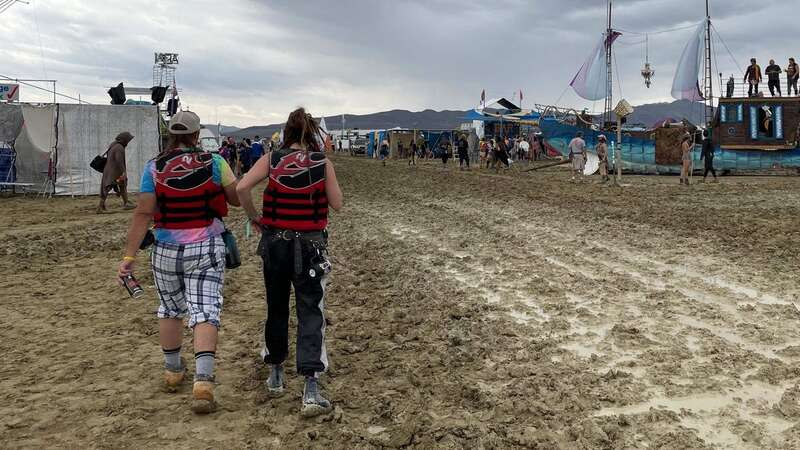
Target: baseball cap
{"points": [[185, 122]]}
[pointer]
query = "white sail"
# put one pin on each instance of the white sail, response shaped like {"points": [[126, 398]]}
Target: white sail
{"points": [[686, 85], [590, 81]]}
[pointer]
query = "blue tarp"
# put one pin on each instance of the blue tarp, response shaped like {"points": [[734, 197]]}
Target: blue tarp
{"points": [[371, 144], [8, 173]]}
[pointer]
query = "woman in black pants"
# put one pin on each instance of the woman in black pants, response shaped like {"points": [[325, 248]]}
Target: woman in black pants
{"points": [[301, 185]]}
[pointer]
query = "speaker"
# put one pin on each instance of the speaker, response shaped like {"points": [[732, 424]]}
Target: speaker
{"points": [[172, 107], [117, 95], [157, 94]]}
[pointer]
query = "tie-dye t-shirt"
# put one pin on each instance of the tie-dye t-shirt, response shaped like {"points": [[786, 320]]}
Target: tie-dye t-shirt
{"points": [[222, 174]]}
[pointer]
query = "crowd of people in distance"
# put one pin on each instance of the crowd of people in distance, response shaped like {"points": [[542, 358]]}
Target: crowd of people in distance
{"points": [[242, 155], [503, 151], [492, 153]]}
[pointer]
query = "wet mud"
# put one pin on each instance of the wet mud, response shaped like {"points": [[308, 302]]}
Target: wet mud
{"points": [[467, 310]]}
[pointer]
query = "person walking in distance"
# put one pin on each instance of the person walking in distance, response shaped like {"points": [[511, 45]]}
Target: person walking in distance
{"points": [[602, 154], [384, 152], [463, 153], [792, 75], [186, 191], [501, 155], [301, 186], [444, 152], [524, 149], [484, 148], [412, 158], [774, 78], [256, 150], [577, 153], [115, 176], [707, 156], [686, 157], [753, 77]]}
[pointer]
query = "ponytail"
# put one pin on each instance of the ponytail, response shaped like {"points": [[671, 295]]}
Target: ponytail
{"points": [[303, 130]]}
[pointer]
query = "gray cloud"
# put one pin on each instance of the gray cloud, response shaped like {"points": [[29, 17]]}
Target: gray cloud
{"points": [[250, 62]]}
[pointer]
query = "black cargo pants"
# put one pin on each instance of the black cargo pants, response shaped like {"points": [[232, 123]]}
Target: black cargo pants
{"points": [[295, 262]]}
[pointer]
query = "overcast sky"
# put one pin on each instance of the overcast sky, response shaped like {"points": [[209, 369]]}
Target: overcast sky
{"points": [[248, 62]]}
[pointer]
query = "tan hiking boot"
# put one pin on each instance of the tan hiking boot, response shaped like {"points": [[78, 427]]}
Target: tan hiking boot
{"points": [[203, 397], [174, 378]]}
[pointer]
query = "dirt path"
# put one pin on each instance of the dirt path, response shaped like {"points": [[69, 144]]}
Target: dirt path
{"points": [[467, 310]]}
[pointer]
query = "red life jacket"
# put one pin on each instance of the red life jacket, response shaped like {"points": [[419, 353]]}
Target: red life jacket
{"points": [[186, 193], [295, 197]]}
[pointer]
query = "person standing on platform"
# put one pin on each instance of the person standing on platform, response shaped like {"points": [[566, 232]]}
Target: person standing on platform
{"points": [[774, 78], [753, 77], [708, 156], [792, 75]]}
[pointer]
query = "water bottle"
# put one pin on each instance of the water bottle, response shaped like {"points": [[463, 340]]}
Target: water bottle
{"points": [[132, 286], [232, 256]]}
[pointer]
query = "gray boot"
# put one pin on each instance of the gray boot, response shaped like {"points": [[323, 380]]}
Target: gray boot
{"points": [[314, 403], [275, 382]]}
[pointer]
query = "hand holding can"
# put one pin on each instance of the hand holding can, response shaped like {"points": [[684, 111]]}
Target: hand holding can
{"points": [[132, 286]]}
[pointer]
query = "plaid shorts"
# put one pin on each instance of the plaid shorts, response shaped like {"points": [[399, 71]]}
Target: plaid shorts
{"points": [[189, 279]]}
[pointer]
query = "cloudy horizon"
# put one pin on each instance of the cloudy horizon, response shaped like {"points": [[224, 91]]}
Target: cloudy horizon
{"points": [[251, 62]]}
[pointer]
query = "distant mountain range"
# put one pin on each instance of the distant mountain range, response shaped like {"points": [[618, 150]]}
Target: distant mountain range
{"points": [[648, 115], [224, 129]]}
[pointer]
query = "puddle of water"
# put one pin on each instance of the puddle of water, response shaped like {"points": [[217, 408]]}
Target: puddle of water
{"points": [[693, 343], [706, 408], [763, 350], [586, 338], [520, 316], [713, 280], [571, 268], [581, 350], [578, 301]]}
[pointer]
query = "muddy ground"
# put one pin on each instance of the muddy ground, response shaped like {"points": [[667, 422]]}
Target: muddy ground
{"points": [[467, 310]]}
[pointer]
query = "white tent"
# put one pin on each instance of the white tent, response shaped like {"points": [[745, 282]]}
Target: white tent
{"points": [[58, 141], [84, 131], [35, 144]]}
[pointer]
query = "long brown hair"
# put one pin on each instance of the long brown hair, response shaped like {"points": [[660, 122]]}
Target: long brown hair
{"points": [[301, 129]]}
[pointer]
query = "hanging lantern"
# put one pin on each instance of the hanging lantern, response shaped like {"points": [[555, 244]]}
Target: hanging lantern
{"points": [[647, 74]]}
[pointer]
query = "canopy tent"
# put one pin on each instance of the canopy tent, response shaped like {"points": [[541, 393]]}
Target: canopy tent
{"points": [[485, 116], [55, 143], [500, 104]]}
